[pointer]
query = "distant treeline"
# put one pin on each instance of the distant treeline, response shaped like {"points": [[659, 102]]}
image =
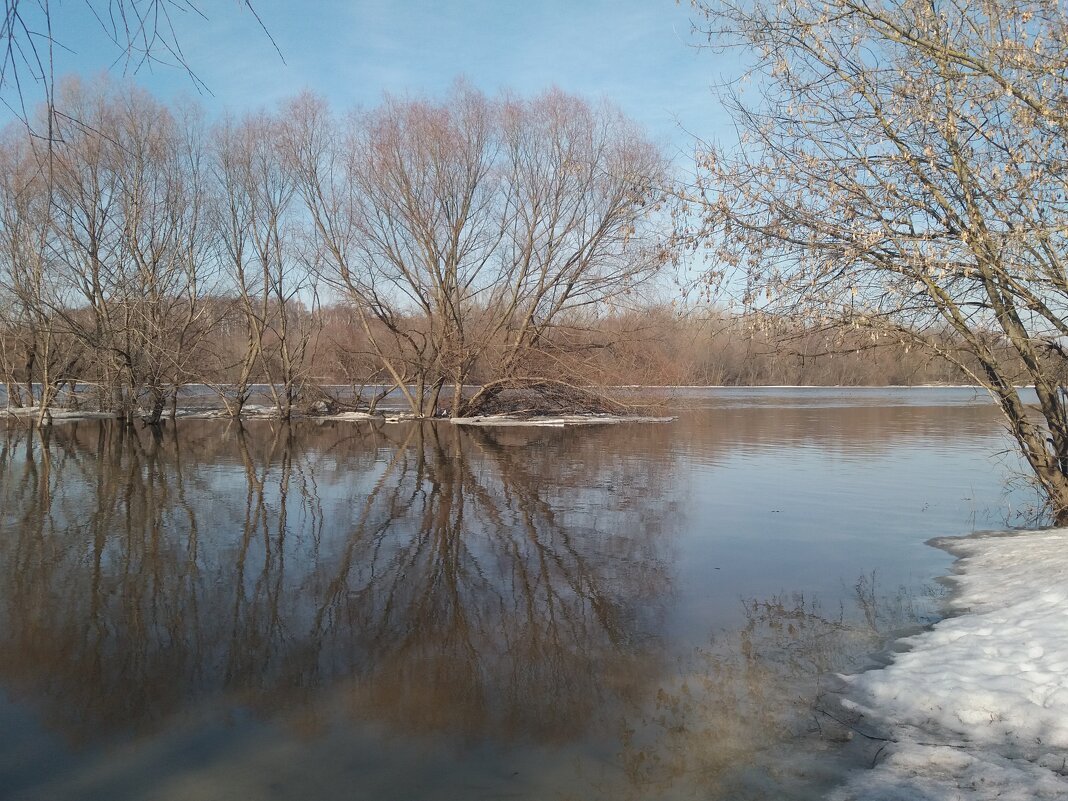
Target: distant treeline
{"points": [[653, 346], [709, 348], [659, 345]]}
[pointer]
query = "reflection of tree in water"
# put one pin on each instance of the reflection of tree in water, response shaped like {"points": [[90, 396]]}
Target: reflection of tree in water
{"points": [[754, 716], [426, 578], [512, 601]]}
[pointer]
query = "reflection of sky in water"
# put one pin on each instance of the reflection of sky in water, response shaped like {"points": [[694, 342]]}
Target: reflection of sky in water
{"points": [[838, 397], [803, 517], [405, 612]]}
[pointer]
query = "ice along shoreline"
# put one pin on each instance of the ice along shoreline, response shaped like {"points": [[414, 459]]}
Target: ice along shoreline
{"points": [[250, 412], [977, 707]]}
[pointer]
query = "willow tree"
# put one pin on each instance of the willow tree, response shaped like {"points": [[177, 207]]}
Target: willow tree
{"points": [[266, 270], [117, 259], [37, 354], [902, 171], [469, 233]]}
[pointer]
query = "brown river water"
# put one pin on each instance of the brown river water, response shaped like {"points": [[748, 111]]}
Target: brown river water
{"points": [[348, 610]]}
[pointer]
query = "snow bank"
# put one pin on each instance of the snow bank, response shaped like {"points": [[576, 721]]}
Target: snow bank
{"points": [[248, 412], [261, 412], [58, 415], [978, 707], [558, 421]]}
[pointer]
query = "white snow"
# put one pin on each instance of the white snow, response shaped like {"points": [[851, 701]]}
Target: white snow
{"points": [[558, 421], [248, 412], [978, 707], [58, 415], [259, 412]]}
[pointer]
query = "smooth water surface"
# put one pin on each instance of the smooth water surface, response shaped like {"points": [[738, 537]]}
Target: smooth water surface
{"points": [[358, 611]]}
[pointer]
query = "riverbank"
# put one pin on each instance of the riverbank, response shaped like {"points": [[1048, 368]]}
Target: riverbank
{"points": [[977, 708]]}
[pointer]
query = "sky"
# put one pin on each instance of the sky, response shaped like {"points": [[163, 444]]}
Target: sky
{"points": [[640, 54]]}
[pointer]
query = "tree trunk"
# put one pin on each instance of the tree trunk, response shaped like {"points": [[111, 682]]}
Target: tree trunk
{"points": [[1056, 487], [430, 405], [457, 396], [159, 400], [14, 394]]}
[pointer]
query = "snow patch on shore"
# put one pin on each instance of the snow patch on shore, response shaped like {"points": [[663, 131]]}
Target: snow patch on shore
{"points": [[58, 415], [978, 707], [263, 412], [557, 421], [248, 412]]}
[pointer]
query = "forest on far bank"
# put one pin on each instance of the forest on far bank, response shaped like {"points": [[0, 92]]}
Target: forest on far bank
{"points": [[661, 345], [657, 345]]}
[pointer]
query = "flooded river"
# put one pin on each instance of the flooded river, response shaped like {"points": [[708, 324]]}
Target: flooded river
{"points": [[368, 611]]}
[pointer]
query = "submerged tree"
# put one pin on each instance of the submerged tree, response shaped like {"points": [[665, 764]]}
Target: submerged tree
{"points": [[902, 172], [473, 241], [125, 190], [267, 272], [470, 233], [36, 354]]}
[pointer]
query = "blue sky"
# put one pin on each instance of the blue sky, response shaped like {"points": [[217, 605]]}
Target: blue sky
{"points": [[637, 53]]}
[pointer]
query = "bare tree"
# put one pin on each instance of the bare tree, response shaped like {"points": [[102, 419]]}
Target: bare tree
{"points": [[581, 237], [266, 259], [115, 265], [464, 232], [475, 241], [902, 172], [157, 161], [37, 354]]}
